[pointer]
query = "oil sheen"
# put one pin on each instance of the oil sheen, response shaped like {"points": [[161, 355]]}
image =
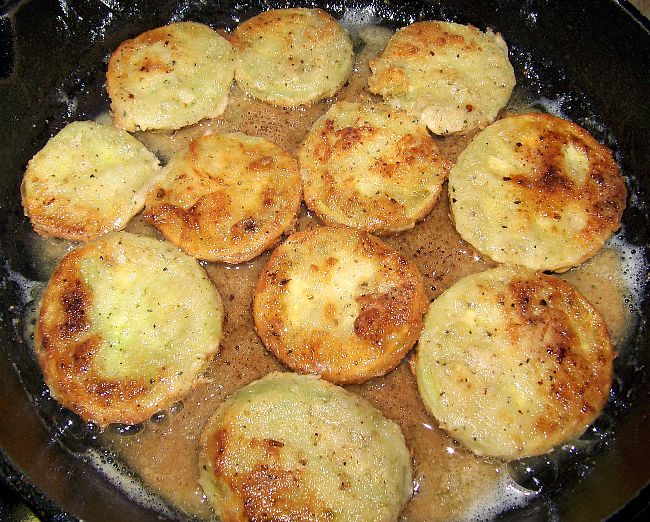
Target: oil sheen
{"points": [[449, 481]]}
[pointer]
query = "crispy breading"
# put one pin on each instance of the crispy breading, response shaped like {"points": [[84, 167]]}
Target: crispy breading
{"points": [[340, 303], [294, 447], [513, 362], [371, 167], [538, 191], [126, 325]]}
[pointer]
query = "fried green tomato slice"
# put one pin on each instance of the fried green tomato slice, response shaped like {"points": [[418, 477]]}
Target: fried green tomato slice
{"points": [[340, 303], [292, 57], [536, 190], [371, 167], [170, 77], [227, 197], [454, 77], [126, 326], [88, 180], [513, 362], [295, 447]]}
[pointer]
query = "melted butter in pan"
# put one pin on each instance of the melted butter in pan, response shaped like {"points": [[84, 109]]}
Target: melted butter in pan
{"points": [[448, 478], [601, 281]]}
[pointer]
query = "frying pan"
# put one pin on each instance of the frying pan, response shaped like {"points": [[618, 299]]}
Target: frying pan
{"points": [[591, 58]]}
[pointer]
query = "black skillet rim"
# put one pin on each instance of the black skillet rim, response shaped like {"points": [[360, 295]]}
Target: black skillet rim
{"points": [[41, 503]]}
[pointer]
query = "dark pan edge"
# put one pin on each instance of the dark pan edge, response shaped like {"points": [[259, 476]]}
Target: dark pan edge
{"points": [[16, 417]]}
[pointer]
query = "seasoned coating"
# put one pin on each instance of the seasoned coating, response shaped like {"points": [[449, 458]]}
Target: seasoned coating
{"points": [[454, 77], [126, 325], [371, 167], [292, 57], [295, 447], [513, 363], [227, 197], [170, 77], [88, 180], [538, 191], [339, 303]]}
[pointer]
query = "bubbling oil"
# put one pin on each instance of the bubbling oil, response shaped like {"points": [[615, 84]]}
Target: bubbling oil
{"points": [[155, 463]]}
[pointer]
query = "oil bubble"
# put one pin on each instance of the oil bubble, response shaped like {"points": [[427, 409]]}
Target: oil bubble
{"points": [[534, 473], [76, 434], [176, 407], [159, 417], [127, 429]]}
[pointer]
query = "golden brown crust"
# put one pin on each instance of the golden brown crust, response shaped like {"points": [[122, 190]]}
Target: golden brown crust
{"points": [[339, 303], [269, 489], [228, 197], [170, 77], [603, 191], [537, 190], [88, 180], [371, 167], [290, 57], [295, 447], [454, 77], [513, 362], [101, 357], [65, 350]]}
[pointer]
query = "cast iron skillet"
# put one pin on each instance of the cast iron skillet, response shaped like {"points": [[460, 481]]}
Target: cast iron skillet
{"points": [[594, 57]]}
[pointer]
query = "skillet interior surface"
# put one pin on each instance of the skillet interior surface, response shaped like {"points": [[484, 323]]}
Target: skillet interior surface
{"points": [[592, 58]]}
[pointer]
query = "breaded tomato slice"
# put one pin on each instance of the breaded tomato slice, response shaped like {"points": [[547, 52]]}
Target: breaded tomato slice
{"points": [[513, 362], [538, 191], [454, 77], [170, 77], [295, 447], [292, 57], [371, 167], [339, 303], [88, 180], [227, 197], [126, 326]]}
